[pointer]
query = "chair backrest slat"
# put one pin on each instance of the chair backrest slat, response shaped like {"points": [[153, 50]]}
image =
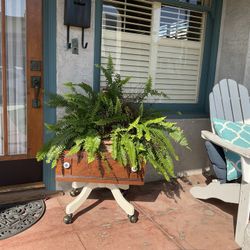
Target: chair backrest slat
{"points": [[245, 103], [218, 102], [230, 101], [213, 112], [226, 101], [235, 100]]}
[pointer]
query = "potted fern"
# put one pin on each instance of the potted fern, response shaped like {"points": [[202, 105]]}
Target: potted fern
{"points": [[108, 136]]}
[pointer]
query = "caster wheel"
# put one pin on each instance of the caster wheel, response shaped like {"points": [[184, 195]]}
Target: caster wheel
{"points": [[124, 192], [133, 218], [74, 192], [68, 219]]}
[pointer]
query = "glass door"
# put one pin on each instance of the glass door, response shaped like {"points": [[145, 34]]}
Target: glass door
{"points": [[21, 112]]}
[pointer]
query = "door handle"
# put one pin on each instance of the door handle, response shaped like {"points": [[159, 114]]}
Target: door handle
{"points": [[36, 85]]}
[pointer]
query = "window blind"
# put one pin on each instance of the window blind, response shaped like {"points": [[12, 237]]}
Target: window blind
{"points": [[148, 38], [179, 54], [126, 37]]}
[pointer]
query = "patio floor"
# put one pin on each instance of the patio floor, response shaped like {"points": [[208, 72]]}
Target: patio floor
{"points": [[169, 218]]}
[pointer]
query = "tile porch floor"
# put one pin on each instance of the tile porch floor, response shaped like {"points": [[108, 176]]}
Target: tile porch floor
{"points": [[169, 218]]}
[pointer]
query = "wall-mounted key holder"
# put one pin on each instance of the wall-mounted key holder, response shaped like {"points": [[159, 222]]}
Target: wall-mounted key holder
{"points": [[36, 85], [77, 13], [74, 43]]}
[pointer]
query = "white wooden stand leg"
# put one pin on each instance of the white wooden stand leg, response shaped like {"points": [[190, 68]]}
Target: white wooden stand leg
{"points": [[124, 187], [243, 213], [122, 202], [77, 202], [115, 189]]}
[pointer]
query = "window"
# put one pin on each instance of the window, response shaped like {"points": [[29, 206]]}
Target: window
{"points": [[148, 38], [127, 16], [197, 2], [127, 39]]}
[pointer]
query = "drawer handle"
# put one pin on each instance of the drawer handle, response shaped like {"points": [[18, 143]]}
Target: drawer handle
{"points": [[66, 165], [134, 169]]}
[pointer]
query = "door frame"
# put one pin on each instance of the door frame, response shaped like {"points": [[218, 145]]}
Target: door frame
{"points": [[50, 79]]}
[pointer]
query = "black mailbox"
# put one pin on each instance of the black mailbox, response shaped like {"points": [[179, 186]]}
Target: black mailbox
{"points": [[77, 13]]}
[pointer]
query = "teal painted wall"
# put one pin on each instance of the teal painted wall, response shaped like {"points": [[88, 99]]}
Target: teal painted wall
{"points": [[49, 41], [97, 44]]}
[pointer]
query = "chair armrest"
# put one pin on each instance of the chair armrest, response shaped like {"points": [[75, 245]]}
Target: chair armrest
{"points": [[207, 135]]}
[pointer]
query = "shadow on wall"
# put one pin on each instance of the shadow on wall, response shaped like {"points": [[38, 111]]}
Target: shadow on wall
{"points": [[193, 161]]}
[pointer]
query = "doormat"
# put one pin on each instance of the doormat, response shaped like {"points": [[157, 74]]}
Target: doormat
{"points": [[19, 217]]}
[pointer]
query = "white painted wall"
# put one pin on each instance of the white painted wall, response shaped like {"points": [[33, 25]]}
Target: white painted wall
{"points": [[70, 67], [77, 68]]}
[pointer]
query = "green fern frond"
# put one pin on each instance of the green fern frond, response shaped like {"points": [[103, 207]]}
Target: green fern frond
{"points": [[91, 145], [79, 143], [118, 106], [155, 121], [161, 138], [56, 101], [108, 71], [177, 135], [70, 86], [154, 162], [88, 90], [123, 158], [130, 150], [114, 141], [134, 123], [41, 154], [124, 81]]}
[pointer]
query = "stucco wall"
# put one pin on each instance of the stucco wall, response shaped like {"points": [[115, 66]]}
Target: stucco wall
{"points": [[80, 67], [234, 54], [71, 67], [247, 67]]}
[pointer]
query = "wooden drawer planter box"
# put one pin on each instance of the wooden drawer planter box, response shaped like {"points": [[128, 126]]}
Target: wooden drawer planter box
{"points": [[97, 171]]}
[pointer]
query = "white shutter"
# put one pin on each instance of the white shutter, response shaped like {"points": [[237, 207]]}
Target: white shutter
{"points": [[146, 38], [126, 37], [179, 55], [130, 53]]}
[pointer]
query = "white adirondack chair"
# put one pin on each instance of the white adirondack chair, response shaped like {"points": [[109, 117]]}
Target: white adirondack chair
{"points": [[230, 101]]}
